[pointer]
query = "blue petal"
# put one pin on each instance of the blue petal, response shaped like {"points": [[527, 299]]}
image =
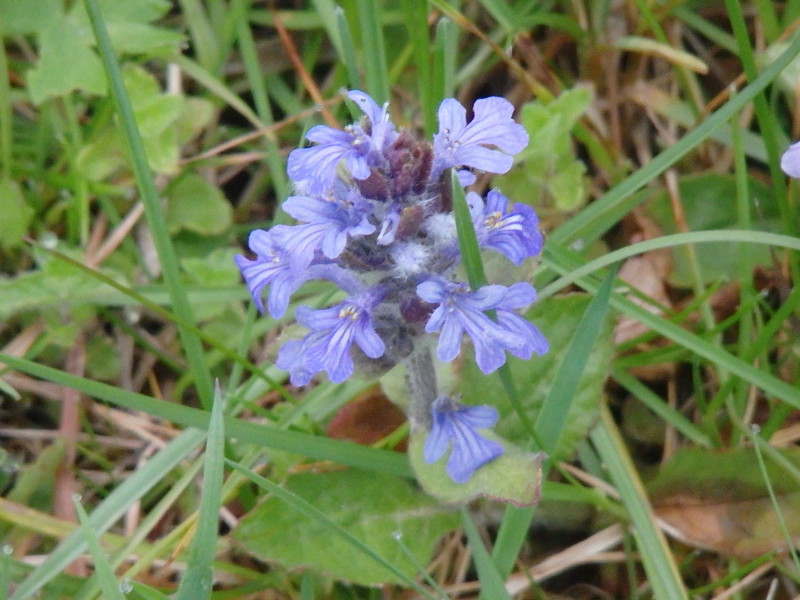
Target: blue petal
{"points": [[457, 424], [790, 161]]}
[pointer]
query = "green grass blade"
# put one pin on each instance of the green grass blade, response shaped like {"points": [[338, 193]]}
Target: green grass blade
{"points": [[670, 241], [553, 416], [565, 261], [416, 14], [491, 580], [313, 446], [111, 509], [657, 405], [444, 60], [217, 87], [373, 50], [102, 570], [5, 570], [467, 240], [776, 507], [204, 42], [551, 419], [348, 50], [153, 210], [258, 88], [302, 506], [196, 584], [604, 212], [503, 13], [147, 592], [657, 559]]}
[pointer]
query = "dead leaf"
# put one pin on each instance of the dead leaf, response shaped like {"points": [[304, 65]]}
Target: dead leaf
{"points": [[718, 500], [367, 420]]}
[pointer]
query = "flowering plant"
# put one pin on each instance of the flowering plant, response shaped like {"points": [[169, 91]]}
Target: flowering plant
{"points": [[375, 213]]}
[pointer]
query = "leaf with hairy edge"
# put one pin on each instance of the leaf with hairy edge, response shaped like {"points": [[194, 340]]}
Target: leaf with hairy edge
{"points": [[515, 477], [374, 507]]}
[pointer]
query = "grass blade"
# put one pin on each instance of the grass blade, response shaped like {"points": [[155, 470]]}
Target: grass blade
{"points": [[551, 419], [313, 446], [196, 584], [491, 580], [111, 509], [102, 570], [153, 210], [662, 572], [373, 49], [467, 240]]}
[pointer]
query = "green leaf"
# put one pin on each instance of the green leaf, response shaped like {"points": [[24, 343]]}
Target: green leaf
{"points": [[165, 121], [548, 169], [66, 63], [56, 283], [198, 206], [15, 214], [102, 358], [67, 60], [216, 269], [515, 477], [103, 155], [557, 318], [128, 26], [373, 507], [31, 16]]}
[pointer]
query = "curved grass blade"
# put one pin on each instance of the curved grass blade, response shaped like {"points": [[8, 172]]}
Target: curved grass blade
{"points": [[670, 241]]}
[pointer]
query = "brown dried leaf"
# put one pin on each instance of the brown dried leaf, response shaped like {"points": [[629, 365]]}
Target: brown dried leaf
{"points": [[719, 501], [647, 273], [367, 419]]}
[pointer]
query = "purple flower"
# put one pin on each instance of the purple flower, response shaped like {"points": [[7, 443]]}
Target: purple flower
{"points": [[461, 310], [272, 266], [457, 423], [359, 150], [328, 223], [790, 161], [520, 295], [459, 144], [513, 234], [333, 332], [292, 358]]}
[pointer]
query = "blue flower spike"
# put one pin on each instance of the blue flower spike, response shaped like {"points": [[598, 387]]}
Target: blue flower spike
{"points": [[374, 216], [455, 425]]}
